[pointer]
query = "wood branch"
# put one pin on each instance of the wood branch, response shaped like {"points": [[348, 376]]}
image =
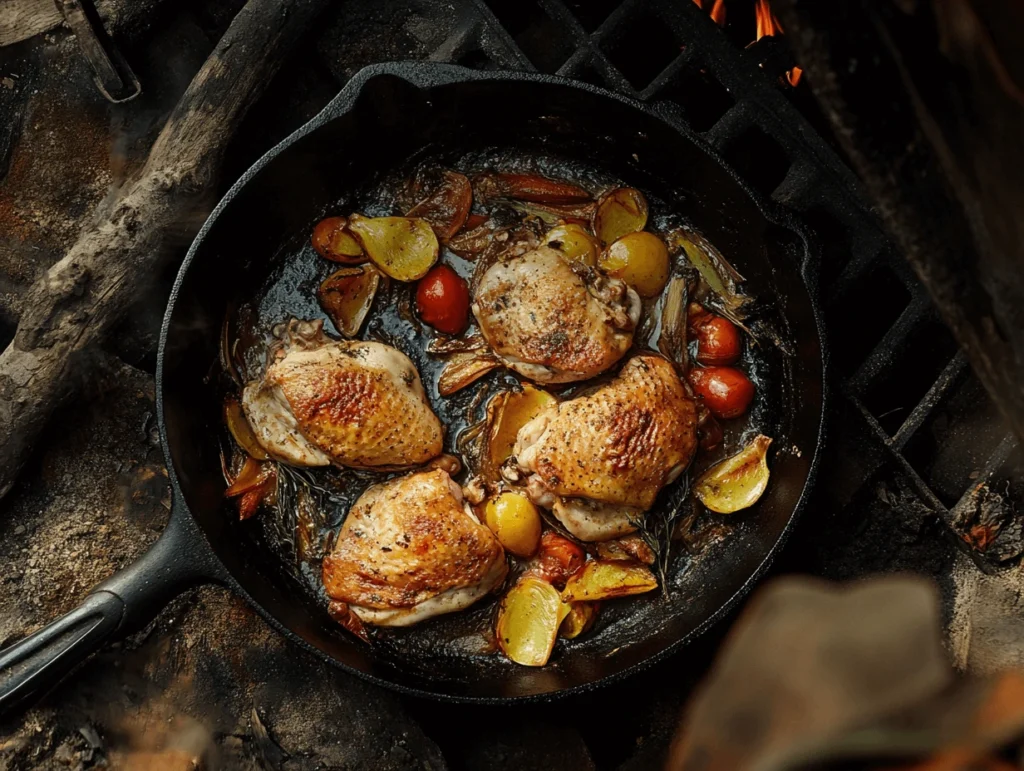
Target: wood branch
{"points": [[78, 300], [23, 19], [932, 125]]}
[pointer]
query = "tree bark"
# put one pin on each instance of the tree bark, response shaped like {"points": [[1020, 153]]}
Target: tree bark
{"points": [[80, 298]]}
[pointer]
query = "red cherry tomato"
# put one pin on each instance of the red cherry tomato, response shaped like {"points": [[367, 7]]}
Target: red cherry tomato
{"points": [[718, 341], [726, 391], [557, 559], [442, 299]]}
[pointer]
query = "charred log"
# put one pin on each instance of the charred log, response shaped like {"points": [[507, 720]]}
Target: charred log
{"points": [[84, 294], [927, 100]]}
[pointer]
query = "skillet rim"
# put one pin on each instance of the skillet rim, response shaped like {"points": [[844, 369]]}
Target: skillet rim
{"points": [[425, 75]]}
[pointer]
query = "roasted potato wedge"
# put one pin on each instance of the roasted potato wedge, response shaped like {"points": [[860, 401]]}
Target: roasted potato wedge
{"points": [[737, 482], [579, 619], [619, 211], [528, 621], [404, 248], [607, 579], [508, 412]]}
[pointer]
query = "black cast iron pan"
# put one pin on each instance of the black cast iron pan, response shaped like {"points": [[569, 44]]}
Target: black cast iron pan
{"points": [[385, 115]]}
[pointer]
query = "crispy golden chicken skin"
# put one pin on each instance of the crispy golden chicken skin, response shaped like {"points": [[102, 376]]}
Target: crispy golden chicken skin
{"points": [[598, 461], [350, 403], [552, 321], [410, 549]]}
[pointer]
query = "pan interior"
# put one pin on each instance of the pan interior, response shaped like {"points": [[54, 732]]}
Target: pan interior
{"points": [[257, 245]]}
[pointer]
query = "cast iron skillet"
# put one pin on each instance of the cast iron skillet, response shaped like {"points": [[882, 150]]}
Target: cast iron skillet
{"points": [[384, 115]]}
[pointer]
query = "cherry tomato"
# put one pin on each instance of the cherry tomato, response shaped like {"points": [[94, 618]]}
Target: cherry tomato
{"points": [[718, 341], [442, 299], [558, 558], [726, 391], [332, 240]]}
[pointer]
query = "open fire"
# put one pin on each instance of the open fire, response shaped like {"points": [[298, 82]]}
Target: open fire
{"points": [[766, 26]]}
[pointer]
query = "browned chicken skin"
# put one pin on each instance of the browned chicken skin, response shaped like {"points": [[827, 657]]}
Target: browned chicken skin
{"points": [[552, 321], [351, 403], [598, 461], [411, 549]]}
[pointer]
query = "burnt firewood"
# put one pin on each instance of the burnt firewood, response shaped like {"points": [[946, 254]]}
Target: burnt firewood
{"points": [[83, 295], [927, 100]]}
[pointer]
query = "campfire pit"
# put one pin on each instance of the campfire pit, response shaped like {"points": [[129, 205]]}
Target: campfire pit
{"points": [[918, 450]]}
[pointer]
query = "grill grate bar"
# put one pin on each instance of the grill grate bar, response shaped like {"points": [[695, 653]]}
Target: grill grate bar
{"points": [[891, 345], [939, 390], [816, 182]]}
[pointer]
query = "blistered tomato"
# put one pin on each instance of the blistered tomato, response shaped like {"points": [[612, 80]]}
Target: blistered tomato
{"points": [[727, 392], [718, 341], [442, 299], [332, 240], [558, 558]]}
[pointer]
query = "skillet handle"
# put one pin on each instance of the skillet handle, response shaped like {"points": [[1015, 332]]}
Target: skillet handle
{"points": [[122, 604]]}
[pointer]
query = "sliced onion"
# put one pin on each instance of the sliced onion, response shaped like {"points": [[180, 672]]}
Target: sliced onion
{"points": [[240, 429]]}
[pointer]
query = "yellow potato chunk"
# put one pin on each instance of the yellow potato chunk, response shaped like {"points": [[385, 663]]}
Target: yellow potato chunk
{"points": [[579, 619], [737, 482], [528, 621], [506, 414], [620, 211], [606, 579], [575, 242], [404, 248], [515, 522], [639, 259]]}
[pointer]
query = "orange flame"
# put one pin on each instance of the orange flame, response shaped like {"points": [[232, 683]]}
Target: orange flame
{"points": [[768, 25], [717, 11]]}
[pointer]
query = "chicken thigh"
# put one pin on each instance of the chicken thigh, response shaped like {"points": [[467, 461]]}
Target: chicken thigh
{"points": [[410, 549], [599, 460], [350, 403], [552, 320]]}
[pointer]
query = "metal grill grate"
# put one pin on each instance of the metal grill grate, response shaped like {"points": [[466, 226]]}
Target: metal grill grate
{"points": [[898, 367]]}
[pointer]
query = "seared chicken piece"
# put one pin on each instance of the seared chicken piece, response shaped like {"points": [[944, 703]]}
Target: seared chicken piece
{"points": [[551, 320], [410, 549], [350, 403], [598, 461]]}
